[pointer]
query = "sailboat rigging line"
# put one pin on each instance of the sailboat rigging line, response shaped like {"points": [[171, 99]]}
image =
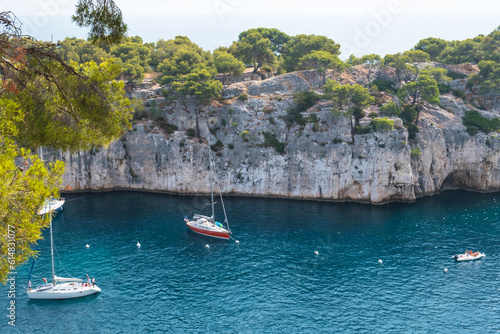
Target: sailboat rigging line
{"points": [[221, 200], [74, 199], [31, 271], [60, 263]]}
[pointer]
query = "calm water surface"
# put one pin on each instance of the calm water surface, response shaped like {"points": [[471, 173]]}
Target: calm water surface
{"points": [[272, 281]]}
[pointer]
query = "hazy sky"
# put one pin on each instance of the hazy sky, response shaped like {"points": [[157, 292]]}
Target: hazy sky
{"points": [[258, 7], [360, 26]]}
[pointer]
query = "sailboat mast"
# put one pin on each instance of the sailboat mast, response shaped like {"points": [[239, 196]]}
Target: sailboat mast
{"points": [[52, 248], [211, 181]]}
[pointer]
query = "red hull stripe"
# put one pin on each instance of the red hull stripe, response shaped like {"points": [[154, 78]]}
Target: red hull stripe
{"points": [[220, 235]]}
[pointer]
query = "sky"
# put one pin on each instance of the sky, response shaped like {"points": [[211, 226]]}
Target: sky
{"points": [[360, 26]]}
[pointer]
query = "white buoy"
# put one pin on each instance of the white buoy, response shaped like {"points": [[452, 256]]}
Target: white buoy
{"points": [[316, 252], [380, 261], [207, 246], [237, 242], [445, 270], [138, 244], [87, 245]]}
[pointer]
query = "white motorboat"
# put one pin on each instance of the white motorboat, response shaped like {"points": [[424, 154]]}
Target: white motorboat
{"points": [[468, 256], [52, 204], [61, 287]]}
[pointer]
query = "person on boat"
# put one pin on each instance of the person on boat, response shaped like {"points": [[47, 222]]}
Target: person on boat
{"points": [[29, 285], [44, 280], [93, 281], [88, 280]]}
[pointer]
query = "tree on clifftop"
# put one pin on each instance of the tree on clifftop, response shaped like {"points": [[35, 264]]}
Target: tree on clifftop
{"points": [[191, 72], [254, 49], [321, 61], [432, 46], [301, 45], [277, 38], [226, 63], [425, 88], [350, 98], [45, 101], [371, 62]]}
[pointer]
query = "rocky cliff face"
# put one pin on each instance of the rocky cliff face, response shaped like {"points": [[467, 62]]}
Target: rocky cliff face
{"points": [[320, 160]]}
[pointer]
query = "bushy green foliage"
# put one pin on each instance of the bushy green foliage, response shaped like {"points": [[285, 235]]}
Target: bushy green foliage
{"points": [[270, 140], [321, 61], [457, 75], [217, 146], [390, 109], [361, 130], [301, 45], [443, 88], [301, 102], [459, 93], [305, 100], [383, 124], [167, 127], [384, 86], [266, 69], [243, 97], [245, 135], [416, 152], [226, 63], [139, 109], [475, 122], [412, 130], [408, 114], [254, 49]]}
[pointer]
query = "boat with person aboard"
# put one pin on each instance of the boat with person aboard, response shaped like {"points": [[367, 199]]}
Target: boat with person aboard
{"points": [[61, 287], [205, 225], [468, 256]]}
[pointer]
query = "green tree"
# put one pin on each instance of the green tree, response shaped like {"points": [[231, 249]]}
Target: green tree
{"points": [[416, 59], [277, 38], [135, 58], [383, 124], [432, 46], [45, 101], [321, 61], [104, 19], [190, 71], [350, 98], [80, 51], [254, 49], [399, 62], [301, 45], [226, 63], [424, 89], [371, 62]]}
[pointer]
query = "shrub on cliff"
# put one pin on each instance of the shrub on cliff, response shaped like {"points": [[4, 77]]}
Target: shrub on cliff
{"points": [[474, 122], [390, 109], [301, 102], [383, 124], [270, 140]]}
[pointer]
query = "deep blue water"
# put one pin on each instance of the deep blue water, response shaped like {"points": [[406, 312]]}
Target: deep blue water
{"points": [[272, 281]]}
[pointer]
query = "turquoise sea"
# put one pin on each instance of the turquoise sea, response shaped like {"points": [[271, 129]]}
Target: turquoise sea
{"points": [[272, 281]]}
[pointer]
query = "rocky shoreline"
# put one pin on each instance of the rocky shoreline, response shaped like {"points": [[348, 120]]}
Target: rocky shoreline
{"points": [[318, 161]]}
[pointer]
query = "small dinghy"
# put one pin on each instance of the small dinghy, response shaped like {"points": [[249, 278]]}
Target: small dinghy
{"points": [[468, 256]]}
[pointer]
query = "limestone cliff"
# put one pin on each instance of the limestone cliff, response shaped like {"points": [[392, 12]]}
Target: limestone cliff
{"points": [[320, 161]]}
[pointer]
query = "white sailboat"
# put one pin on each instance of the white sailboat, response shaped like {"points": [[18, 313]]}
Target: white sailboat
{"points": [[61, 287], [205, 225]]}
